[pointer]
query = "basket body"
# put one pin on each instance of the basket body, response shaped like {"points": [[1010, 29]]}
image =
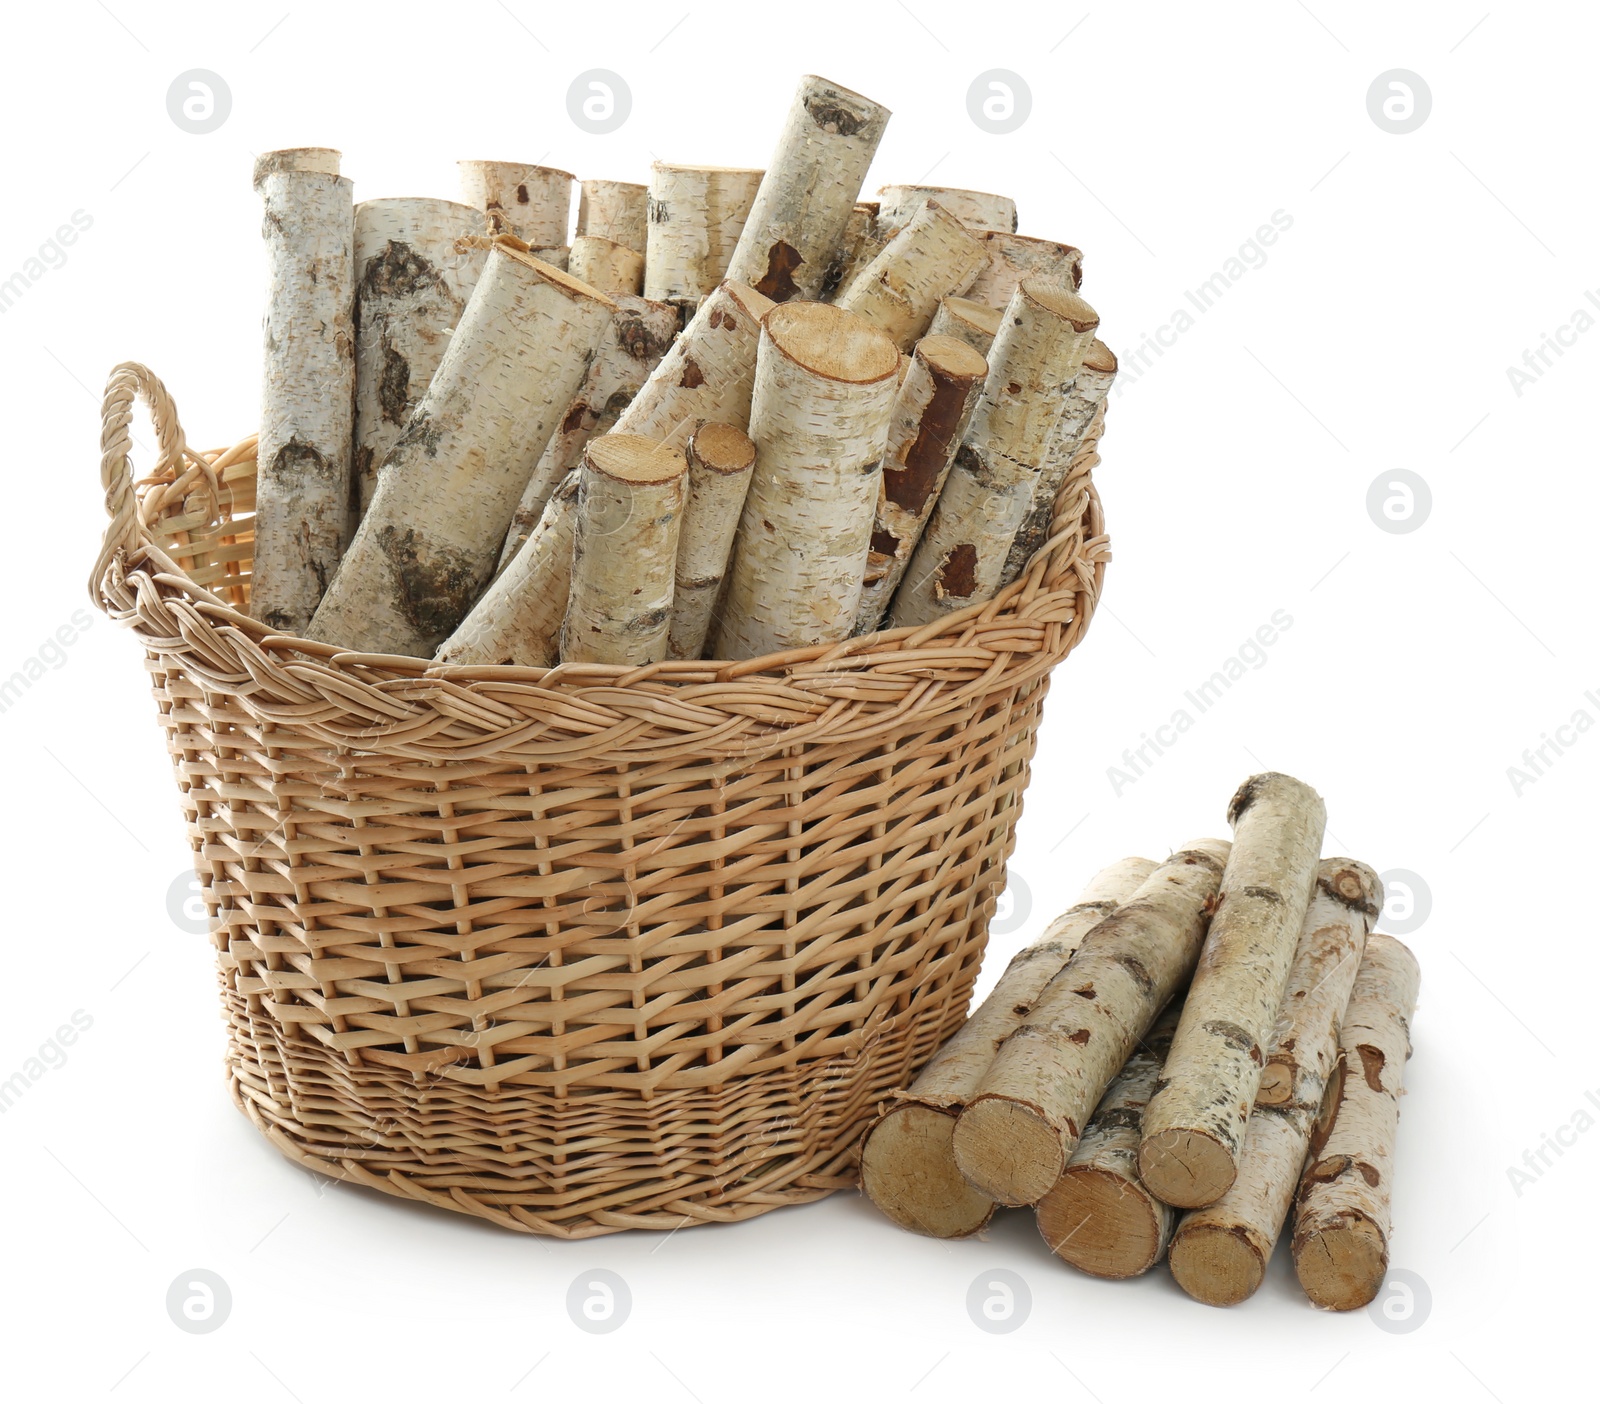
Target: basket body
{"points": [[580, 949]]}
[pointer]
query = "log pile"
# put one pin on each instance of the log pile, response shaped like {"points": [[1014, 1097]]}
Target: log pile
{"points": [[871, 404], [1195, 1059]]}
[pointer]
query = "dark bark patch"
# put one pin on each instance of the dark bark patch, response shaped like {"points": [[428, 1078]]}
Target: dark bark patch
{"points": [[833, 116], [958, 577], [1078, 1036], [399, 271], [299, 463], [394, 385], [1371, 1065], [1368, 1173], [1120, 1119], [884, 542], [1235, 1037], [437, 586], [1265, 894], [421, 432], [522, 194], [574, 420], [912, 483], [1137, 971], [692, 376], [1085, 992], [639, 340], [778, 281]]}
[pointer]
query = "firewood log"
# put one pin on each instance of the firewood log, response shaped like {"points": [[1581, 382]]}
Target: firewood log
{"points": [[615, 210], [532, 203], [1194, 1126], [977, 209], [931, 412], [696, 214], [959, 561], [1083, 397], [1342, 1212], [430, 539], [810, 186], [303, 478], [819, 416], [907, 1168], [1013, 257], [411, 286], [707, 374], [639, 335], [1022, 1124], [517, 620], [934, 256], [607, 266], [972, 322], [624, 551], [721, 459], [1097, 1216], [1220, 1253], [858, 246]]}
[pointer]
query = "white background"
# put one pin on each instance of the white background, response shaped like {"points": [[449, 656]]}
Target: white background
{"points": [[1417, 668]]}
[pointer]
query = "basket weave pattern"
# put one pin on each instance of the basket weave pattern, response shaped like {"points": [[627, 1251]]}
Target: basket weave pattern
{"points": [[585, 948]]}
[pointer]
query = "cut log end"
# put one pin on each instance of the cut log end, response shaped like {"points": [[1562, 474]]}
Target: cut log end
{"points": [[634, 459], [908, 1171], [1341, 1265], [1277, 1085], [953, 358], [314, 160], [832, 342], [1186, 1168], [722, 448], [1102, 1224], [1216, 1265], [1008, 1150], [1060, 300]]}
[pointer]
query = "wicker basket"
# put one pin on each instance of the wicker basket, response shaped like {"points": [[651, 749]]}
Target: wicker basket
{"points": [[586, 948]]}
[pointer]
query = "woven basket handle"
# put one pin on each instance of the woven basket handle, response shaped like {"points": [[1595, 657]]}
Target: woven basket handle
{"points": [[125, 532]]}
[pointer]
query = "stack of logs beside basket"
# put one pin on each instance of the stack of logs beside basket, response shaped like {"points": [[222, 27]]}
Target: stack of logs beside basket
{"points": [[1196, 1053], [736, 412]]}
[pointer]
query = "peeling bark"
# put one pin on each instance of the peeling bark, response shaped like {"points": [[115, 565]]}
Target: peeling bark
{"points": [[517, 620], [445, 496], [1342, 1214], [411, 287], [1194, 1126], [931, 412], [624, 547], [824, 390], [1022, 1125], [1098, 1216], [1013, 257], [696, 214], [811, 185], [303, 477], [1046, 333], [907, 1168], [708, 373], [721, 459], [1221, 1252]]}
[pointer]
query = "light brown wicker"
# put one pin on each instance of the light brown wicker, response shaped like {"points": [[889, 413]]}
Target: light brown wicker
{"points": [[586, 948]]}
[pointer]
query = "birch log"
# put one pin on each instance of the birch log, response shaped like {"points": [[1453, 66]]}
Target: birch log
{"points": [[446, 493], [615, 210], [1221, 1252], [858, 246], [959, 561], [810, 186], [721, 459], [639, 335], [708, 374], [931, 411], [517, 620], [1021, 1126], [972, 322], [532, 203], [907, 1168], [303, 477], [411, 286], [696, 214], [977, 209], [1097, 1216], [1086, 394], [1013, 257], [624, 549], [607, 266], [934, 256], [1342, 1213], [1194, 1126], [819, 415]]}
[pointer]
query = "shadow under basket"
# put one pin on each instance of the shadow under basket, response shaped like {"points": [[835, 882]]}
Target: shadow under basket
{"points": [[585, 948]]}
